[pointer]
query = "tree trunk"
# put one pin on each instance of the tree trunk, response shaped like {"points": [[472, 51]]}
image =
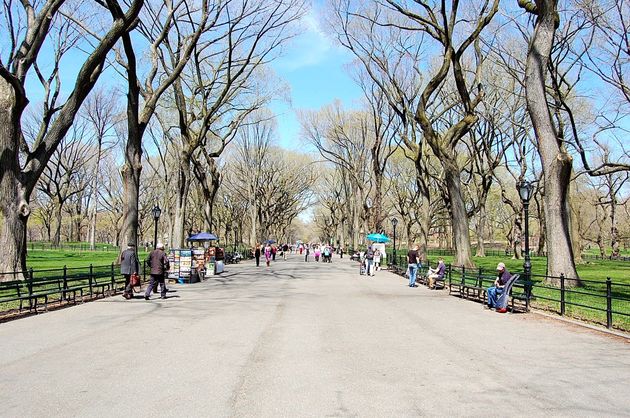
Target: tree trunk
{"points": [[542, 238], [480, 230], [517, 236], [556, 162], [181, 199], [94, 208], [58, 218], [14, 207], [614, 232], [459, 216], [600, 244], [425, 226]]}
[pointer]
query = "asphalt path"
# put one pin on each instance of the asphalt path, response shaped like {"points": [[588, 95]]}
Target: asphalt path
{"points": [[305, 340]]}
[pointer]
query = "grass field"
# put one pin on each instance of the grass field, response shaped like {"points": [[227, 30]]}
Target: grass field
{"points": [[55, 259]]}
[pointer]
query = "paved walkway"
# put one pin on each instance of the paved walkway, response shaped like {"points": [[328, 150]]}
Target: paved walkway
{"points": [[305, 340]]}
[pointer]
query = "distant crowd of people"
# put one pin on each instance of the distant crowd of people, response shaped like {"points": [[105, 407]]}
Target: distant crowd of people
{"points": [[323, 252]]}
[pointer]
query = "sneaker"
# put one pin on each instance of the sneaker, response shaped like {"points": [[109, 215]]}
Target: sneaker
{"points": [[146, 298], [162, 297], [502, 310]]}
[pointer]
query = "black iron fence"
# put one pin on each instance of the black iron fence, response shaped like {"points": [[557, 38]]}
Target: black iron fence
{"points": [[34, 289], [601, 301]]}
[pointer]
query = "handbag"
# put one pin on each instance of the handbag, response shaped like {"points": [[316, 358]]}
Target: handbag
{"points": [[134, 280]]}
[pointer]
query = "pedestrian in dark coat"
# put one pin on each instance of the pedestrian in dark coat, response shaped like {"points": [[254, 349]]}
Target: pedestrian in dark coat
{"points": [[257, 255], [129, 265], [158, 261]]}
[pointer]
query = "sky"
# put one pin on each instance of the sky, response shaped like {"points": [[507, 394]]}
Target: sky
{"points": [[313, 64]]}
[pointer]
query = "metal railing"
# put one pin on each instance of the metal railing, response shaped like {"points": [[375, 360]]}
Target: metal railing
{"points": [[601, 301], [57, 287]]}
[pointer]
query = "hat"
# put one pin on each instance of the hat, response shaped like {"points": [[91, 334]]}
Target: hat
{"points": [[160, 246], [500, 266], [131, 244]]}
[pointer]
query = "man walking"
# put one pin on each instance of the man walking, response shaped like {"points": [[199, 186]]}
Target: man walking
{"points": [[412, 266], [129, 265], [158, 261]]}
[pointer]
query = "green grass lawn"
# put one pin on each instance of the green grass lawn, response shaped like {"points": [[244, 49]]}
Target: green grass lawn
{"points": [[56, 259]]}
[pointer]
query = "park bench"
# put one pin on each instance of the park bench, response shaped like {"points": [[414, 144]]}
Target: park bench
{"points": [[470, 283], [521, 292], [11, 292], [73, 284], [423, 277], [42, 289], [102, 281]]}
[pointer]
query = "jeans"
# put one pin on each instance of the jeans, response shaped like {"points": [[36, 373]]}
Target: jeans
{"points": [[369, 267], [413, 271], [493, 293]]}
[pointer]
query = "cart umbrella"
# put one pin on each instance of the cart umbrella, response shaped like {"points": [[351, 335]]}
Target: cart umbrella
{"points": [[378, 237], [203, 236]]}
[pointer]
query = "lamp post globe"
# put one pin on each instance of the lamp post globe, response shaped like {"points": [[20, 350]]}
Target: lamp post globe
{"points": [[156, 211]]}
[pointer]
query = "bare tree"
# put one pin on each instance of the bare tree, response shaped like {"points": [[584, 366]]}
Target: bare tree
{"points": [[414, 29], [102, 113], [29, 26], [225, 83], [65, 175]]}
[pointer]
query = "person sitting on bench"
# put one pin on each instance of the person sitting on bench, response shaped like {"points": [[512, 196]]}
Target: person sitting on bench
{"points": [[437, 273], [503, 275]]}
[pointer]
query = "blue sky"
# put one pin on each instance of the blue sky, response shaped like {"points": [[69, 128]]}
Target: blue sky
{"points": [[313, 65]]}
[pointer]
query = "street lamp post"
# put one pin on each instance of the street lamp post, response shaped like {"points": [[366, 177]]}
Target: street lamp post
{"points": [[525, 189], [156, 217], [394, 223], [235, 235]]}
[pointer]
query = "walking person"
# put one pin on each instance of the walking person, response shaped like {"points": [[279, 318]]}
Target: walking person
{"points": [[129, 265], [274, 250], [257, 255], [158, 262], [369, 259], [285, 250], [377, 259], [307, 252], [412, 266], [268, 254]]}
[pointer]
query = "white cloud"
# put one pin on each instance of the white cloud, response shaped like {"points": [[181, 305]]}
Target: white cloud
{"points": [[309, 48]]}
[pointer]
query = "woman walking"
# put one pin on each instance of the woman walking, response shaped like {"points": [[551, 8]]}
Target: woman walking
{"points": [[268, 254]]}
